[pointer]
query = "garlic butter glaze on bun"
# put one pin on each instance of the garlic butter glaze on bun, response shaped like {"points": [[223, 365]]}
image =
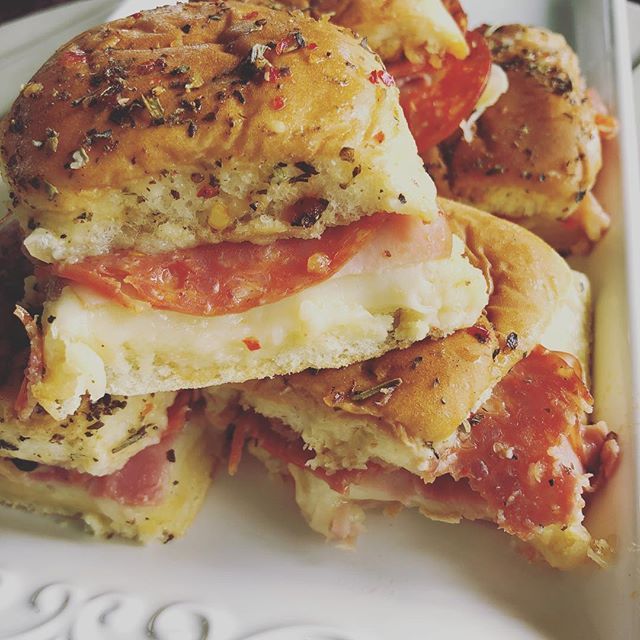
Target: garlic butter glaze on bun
{"points": [[534, 155], [199, 123], [484, 424], [393, 28]]}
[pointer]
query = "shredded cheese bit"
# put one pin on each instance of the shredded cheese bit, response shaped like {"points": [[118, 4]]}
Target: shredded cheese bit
{"points": [[218, 218], [497, 85], [51, 190], [194, 83], [502, 450], [32, 89], [318, 263], [600, 552], [277, 126], [80, 159], [535, 472]]}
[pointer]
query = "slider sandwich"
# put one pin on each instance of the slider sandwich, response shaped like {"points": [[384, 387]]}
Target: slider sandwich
{"points": [[133, 466], [490, 423], [501, 115], [534, 156], [223, 191]]}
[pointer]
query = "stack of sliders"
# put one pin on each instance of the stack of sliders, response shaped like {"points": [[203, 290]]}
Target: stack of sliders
{"points": [[501, 115], [210, 186], [490, 423], [210, 193], [129, 466]]}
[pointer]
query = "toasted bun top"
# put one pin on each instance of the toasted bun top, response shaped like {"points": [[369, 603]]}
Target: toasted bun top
{"points": [[192, 89], [415, 28], [537, 151], [426, 391]]}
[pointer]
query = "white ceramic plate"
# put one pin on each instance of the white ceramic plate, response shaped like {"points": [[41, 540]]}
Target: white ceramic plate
{"points": [[250, 568]]}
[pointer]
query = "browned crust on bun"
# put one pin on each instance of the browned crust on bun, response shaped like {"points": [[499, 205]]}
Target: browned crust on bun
{"points": [[537, 151], [393, 28], [181, 115], [426, 391]]}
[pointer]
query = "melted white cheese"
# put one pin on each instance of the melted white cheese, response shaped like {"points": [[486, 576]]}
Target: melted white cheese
{"points": [[497, 85], [96, 345]]}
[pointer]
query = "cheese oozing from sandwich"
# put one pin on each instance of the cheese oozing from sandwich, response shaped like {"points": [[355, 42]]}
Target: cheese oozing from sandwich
{"points": [[483, 424], [374, 303]]}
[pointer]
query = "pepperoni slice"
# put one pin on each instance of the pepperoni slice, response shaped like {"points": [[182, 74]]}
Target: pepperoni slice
{"points": [[509, 457], [232, 277], [222, 278], [436, 101]]}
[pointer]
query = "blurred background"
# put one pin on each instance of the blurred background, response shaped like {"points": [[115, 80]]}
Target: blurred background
{"points": [[11, 10]]}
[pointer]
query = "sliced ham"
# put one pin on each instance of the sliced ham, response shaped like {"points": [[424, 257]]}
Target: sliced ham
{"points": [[526, 462], [142, 480], [228, 277], [406, 240]]}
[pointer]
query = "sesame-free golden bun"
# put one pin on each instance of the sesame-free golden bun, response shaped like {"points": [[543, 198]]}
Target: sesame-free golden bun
{"points": [[99, 438], [433, 385], [393, 28], [535, 154], [194, 451], [176, 127]]}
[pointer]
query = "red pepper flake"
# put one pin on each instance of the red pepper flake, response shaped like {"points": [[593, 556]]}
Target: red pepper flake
{"points": [[272, 74], [73, 56], [278, 103], [137, 15], [378, 75], [312, 45], [481, 334], [283, 45], [253, 344], [387, 79], [379, 137], [207, 191], [250, 16]]}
